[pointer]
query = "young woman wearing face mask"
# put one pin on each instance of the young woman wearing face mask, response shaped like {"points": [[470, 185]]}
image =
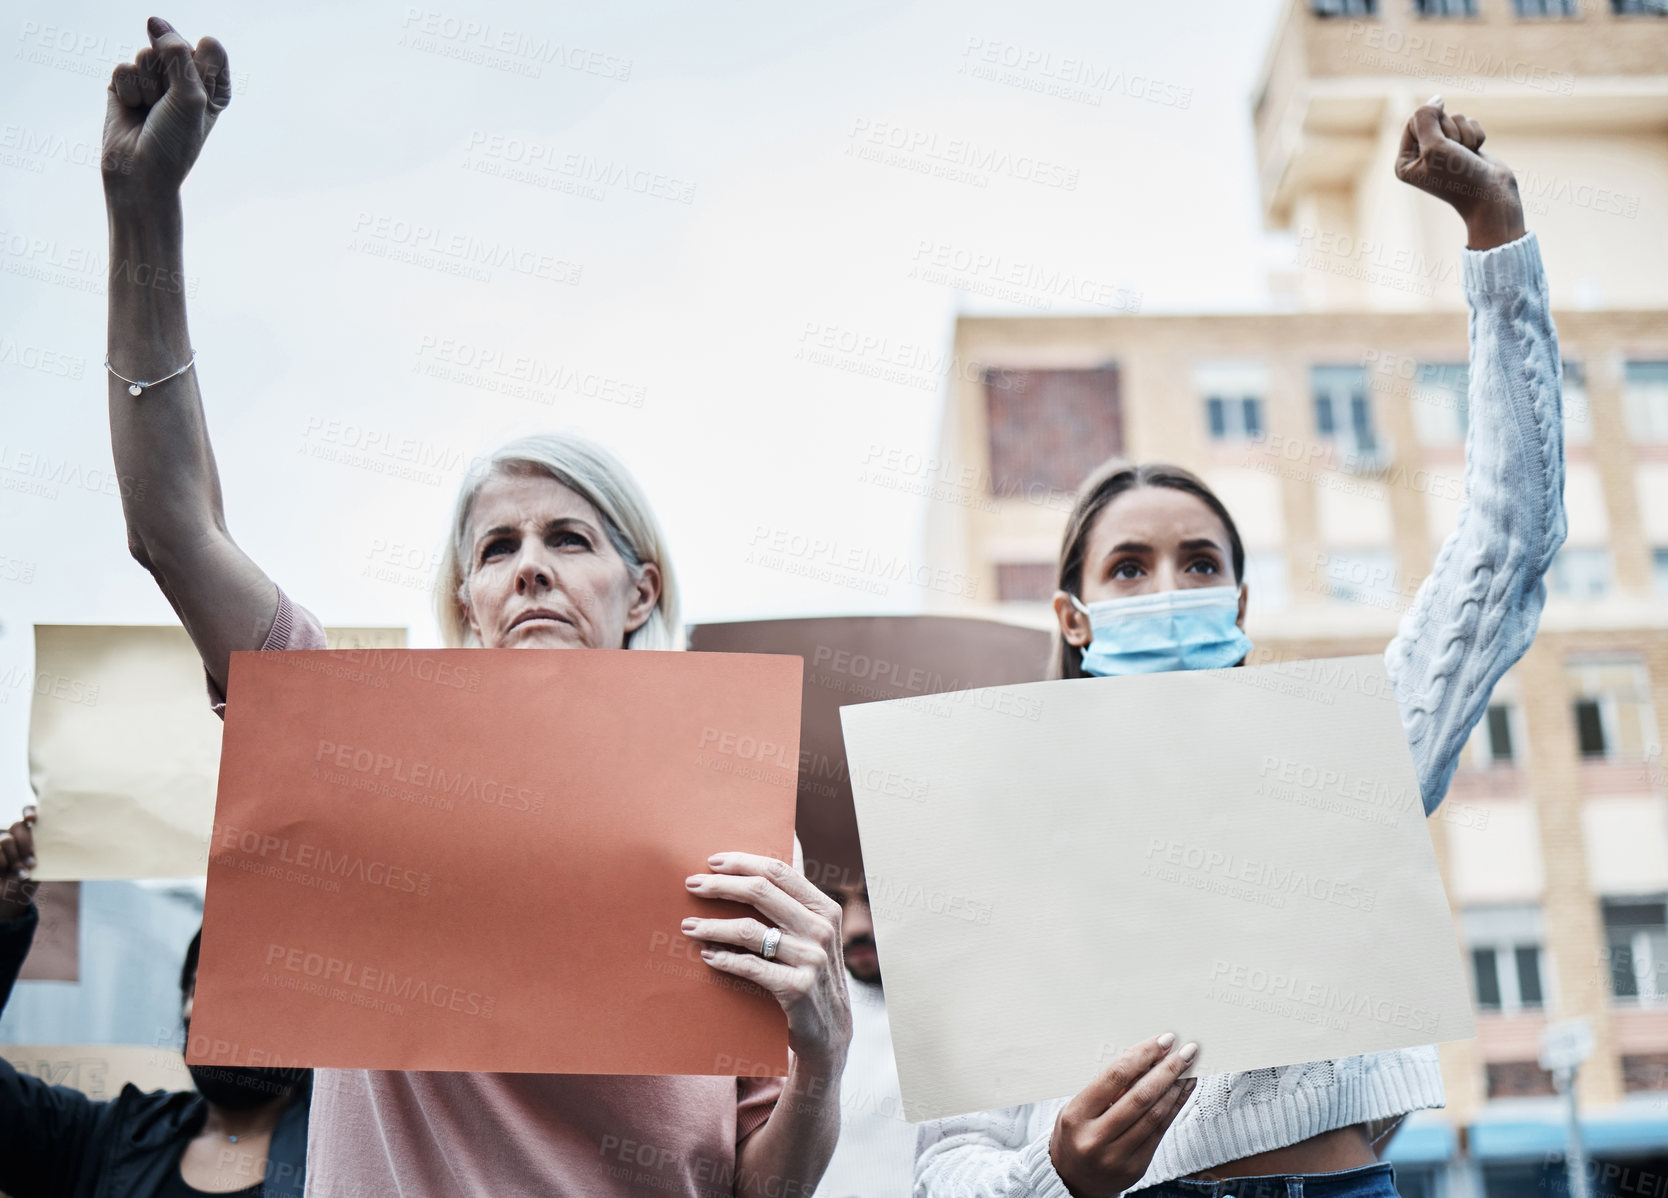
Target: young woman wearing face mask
{"points": [[243, 1132], [1151, 578]]}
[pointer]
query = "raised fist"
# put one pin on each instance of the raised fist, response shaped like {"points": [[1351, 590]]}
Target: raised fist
{"points": [[1443, 155], [161, 107], [17, 864]]}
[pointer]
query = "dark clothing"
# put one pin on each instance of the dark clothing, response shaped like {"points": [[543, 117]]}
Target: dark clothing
{"points": [[175, 1187], [56, 1142]]}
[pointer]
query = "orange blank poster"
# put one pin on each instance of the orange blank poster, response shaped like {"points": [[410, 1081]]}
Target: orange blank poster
{"points": [[474, 859]]}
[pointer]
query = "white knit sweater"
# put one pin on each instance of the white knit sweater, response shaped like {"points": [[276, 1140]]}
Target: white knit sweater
{"points": [[1471, 620]]}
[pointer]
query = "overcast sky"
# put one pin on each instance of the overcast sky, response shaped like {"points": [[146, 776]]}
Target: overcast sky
{"points": [[655, 208]]}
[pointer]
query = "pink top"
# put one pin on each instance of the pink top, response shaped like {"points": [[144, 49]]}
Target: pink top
{"points": [[438, 1135]]}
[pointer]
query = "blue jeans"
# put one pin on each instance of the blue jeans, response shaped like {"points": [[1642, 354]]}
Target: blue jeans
{"points": [[1372, 1181]]}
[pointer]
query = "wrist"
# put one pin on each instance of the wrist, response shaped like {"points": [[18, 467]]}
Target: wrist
{"points": [[15, 898], [1494, 224], [144, 217], [820, 1067], [1062, 1169]]}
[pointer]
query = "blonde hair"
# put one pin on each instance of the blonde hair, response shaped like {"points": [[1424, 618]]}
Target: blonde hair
{"points": [[593, 473]]}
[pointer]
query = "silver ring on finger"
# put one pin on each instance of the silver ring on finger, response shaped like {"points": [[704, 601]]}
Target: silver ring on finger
{"points": [[772, 938]]}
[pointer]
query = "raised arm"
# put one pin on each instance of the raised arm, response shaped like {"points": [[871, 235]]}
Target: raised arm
{"points": [[1477, 612], [159, 111]]}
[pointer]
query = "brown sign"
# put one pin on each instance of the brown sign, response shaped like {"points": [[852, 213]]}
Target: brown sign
{"points": [[864, 659], [55, 955]]}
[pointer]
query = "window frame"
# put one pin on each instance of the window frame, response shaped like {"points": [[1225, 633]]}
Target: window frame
{"points": [[1582, 674], [1562, 575], [1508, 721], [1579, 414], [1233, 410], [1645, 400], [1342, 422], [1502, 948], [1651, 985], [1449, 379]]}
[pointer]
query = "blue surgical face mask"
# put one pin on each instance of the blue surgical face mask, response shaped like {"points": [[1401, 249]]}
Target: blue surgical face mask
{"points": [[1192, 629]]}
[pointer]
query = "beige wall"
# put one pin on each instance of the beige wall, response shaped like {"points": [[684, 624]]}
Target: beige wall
{"points": [[1302, 509], [1578, 109]]}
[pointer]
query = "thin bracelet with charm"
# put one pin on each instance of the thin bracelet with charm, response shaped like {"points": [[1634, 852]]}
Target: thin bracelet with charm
{"points": [[134, 386]]}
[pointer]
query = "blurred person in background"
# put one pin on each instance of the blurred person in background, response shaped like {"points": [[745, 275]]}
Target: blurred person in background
{"points": [[875, 1156], [243, 1131]]}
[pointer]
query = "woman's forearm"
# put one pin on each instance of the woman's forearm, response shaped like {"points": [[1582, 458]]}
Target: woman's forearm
{"points": [[159, 438], [147, 294], [786, 1157]]}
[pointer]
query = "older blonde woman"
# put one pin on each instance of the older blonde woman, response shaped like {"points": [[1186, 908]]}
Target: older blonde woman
{"points": [[552, 547]]}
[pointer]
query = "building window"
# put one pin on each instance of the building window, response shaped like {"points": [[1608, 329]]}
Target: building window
{"points": [[1636, 940], [1647, 8], [1517, 1079], [1267, 581], [1579, 573], [1645, 399], [1505, 957], [1589, 728], [1547, 8], [1344, 8], [1025, 582], [1233, 394], [1614, 717], [1231, 419], [1485, 973], [1497, 721], [1343, 412], [1050, 428], [1445, 8], [1645, 1071], [1439, 402], [1659, 571], [1493, 741], [1578, 413], [1364, 576]]}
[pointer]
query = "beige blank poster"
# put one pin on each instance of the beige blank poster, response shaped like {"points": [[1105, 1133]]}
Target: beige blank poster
{"points": [[124, 752], [101, 1070], [1060, 869]]}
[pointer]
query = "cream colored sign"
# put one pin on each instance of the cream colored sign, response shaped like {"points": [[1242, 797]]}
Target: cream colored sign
{"points": [[124, 752], [1061, 869], [100, 1070]]}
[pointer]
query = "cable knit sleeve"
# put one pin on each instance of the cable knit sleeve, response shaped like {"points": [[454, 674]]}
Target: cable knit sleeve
{"points": [[989, 1154], [1477, 612]]}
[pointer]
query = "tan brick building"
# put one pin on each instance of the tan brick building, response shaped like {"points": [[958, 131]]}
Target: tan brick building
{"points": [[1333, 428]]}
